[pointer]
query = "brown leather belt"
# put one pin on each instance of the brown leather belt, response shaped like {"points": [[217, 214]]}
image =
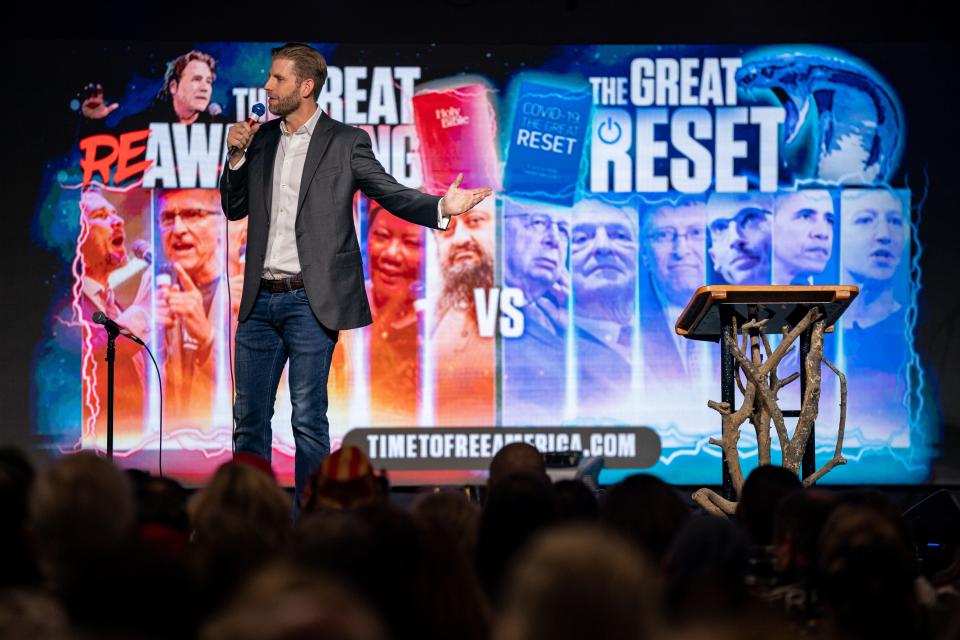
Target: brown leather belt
{"points": [[281, 286]]}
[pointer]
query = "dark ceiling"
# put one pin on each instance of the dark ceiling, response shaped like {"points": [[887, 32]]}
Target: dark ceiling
{"points": [[503, 21]]}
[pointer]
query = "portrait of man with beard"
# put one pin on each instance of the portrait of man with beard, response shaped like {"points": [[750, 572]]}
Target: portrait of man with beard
{"points": [[738, 230], [603, 257], [465, 360]]}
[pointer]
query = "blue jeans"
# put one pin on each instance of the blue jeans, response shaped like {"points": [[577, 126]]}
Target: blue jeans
{"points": [[282, 326]]}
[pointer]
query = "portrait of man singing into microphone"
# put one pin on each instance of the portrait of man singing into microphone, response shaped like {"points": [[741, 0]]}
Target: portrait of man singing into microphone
{"points": [[102, 249], [294, 178]]}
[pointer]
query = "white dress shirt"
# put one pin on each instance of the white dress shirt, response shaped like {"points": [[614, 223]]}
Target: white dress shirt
{"points": [[282, 259], [101, 297]]}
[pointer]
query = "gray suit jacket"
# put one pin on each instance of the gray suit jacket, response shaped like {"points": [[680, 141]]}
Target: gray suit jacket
{"points": [[339, 160]]}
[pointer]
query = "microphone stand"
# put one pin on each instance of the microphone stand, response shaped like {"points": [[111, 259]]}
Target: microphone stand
{"points": [[112, 334]]}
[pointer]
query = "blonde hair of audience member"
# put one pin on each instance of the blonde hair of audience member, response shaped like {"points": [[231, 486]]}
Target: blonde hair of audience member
{"points": [[33, 614], [759, 625], [284, 603], [580, 582], [452, 513], [239, 490], [81, 504]]}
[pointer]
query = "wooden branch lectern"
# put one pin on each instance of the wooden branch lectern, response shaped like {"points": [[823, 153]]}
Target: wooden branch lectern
{"points": [[715, 311]]}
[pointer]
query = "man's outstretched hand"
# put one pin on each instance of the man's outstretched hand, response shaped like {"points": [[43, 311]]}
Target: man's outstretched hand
{"points": [[457, 200]]}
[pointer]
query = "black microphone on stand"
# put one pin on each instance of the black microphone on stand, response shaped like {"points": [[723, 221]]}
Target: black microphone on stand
{"points": [[256, 112], [114, 330], [112, 327]]}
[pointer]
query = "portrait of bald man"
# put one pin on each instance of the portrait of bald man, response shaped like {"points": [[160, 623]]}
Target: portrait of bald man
{"points": [[603, 264]]}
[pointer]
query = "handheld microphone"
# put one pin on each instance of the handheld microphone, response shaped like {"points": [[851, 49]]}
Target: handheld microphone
{"points": [[141, 249], [101, 318], [256, 112]]}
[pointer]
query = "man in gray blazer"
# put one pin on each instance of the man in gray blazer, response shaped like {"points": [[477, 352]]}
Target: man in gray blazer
{"points": [[303, 280]]}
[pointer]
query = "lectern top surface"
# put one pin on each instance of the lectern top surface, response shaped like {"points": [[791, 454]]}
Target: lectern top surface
{"points": [[781, 305]]}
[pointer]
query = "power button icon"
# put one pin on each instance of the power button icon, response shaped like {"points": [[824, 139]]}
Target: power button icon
{"points": [[609, 131]]}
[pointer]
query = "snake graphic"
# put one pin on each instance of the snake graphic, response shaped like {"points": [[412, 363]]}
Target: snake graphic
{"points": [[842, 122]]}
